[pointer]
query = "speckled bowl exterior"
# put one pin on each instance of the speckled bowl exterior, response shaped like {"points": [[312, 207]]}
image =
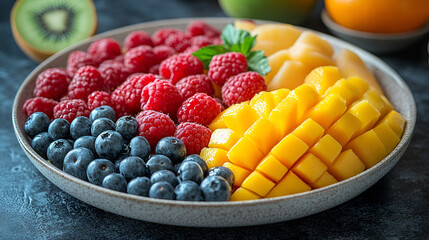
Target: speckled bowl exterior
{"points": [[219, 214]]}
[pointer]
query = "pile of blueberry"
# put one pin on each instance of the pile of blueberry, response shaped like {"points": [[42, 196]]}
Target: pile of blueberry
{"points": [[109, 154]]}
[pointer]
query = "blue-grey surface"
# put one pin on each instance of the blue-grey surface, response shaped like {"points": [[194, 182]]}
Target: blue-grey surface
{"points": [[397, 207]]}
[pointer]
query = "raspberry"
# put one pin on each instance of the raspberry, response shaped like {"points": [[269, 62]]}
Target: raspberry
{"points": [[161, 96], [200, 108], [137, 38], [226, 65], [179, 41], [163, 52], [198, 27], [242, 87], [70, 109], [86, 80], [158, 38], [217, 41], [194, 135], [76, 60], [191, 50], [52, 83], [113, 73], [154, 69], [219, 101], [190, 85], [99, 98], [179, 66], [201, 41], [154, 126], [39, 104], [104, 49], [139, 59], [126, 97]]}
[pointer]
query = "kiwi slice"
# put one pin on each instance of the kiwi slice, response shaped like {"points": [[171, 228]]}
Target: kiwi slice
{"points": [[44, 27]]}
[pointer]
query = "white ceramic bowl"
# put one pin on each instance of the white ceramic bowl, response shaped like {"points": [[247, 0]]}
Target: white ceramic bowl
{"points": [[218, 214], [375, 42]]}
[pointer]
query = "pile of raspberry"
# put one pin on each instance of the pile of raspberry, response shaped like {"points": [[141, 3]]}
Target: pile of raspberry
{"points": [[152, 77]]}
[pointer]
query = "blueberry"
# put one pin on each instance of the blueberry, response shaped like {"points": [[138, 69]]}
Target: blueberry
{"points": [[139, 186], [127, 126], [224, 172], [59, 129], [132, 167], [196, 158], [215, 188], [36, 123], [162, 190], [102, 112], [109, 144], [86, 142], [119, 160], [57, 150], [159, 162], [80, 126], [98, 169], [171, 147], [115, 181], [190, 171], [40, 143], [76, 161], [164, 175], [140, 147], [100, 125], [188, 191]]}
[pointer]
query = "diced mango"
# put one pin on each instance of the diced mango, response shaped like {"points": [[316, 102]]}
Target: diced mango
{"points": [[322, 78], [242, 194], [367, 114], [214, 156], [245, 154], [263, 103], [283, 116], [223, 138], [309, 168], [346, 165], [368, 147], [344, 89], [327, 149], [327, 111], [306, 97], [275, 36], [289, 184], [289, 150], [344, 128], [218, 121], [396, 122], [325, 180], [258, 183], [360, 85], [279, 95], [272, 168], [239, 173], [290, 75], [376, 100], [388, 106], [387, 136], [309, 132], [240, 118], [263, 134], [276, 61]]}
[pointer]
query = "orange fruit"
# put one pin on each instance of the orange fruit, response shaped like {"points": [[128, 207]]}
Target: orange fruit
{"points": [[379, 16]]}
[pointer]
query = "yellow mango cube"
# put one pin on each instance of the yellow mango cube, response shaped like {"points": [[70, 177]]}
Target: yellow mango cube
{"points": [[306, 97], [279, 95], [368, 147], [309, 132], [396, 122], [325, 180], [344, 89], [344, 128], [276, 61], [283, 116], [289, 150], [245, 154], [263, 103], [289, 184], [218, 121], [274, 37], [223, 138], [214, 156], [240, 118], [322, 78], [359, 84], [258, 183], [387, 106], [242, 194], [346, 165], [239, 173], [309, 168], [272, 168], [374, 98], [263, 134], [326, 149], [290, 75], [327, 111], [367, 114], [387, 136]]}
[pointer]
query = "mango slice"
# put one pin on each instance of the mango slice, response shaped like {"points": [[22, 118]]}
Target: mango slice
{"points": [[289, 150], [239, 173], [309, 168], [369, 148], [346, 165], [325, 180], [309, 132], [326, 149], [289, 184], [242, 194], [272, 168], [214, 156], [258, 183], [223, 138], [245, 154]]}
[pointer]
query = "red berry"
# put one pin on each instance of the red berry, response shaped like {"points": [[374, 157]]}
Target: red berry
{"points": [[137, 38], [163, 52], [201, 41], [242, 87], [200, 108], [190, 85], [99, 98], [161, 96], [191, 50], [52, 83], [113, 73], [154, 69], [158, 38], [179, 66], [194, 136], [104, 49], [226, 65], [217, 41], [154, 126], [86, 80], [219, 101], [76, 60], [70, 109], [179, 41], [139, 59], [199, 27], [39, 104], [126, 97]]}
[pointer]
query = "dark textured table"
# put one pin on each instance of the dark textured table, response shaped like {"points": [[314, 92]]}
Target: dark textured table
{"points": [[397, 207]]}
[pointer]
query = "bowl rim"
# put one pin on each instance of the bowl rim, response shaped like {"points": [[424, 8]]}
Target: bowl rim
{"points": [[26, 146]]}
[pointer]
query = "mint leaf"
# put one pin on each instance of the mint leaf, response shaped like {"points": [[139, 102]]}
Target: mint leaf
{"points": [[206, 54], [232, 36], [257, 62], [247, 44]]}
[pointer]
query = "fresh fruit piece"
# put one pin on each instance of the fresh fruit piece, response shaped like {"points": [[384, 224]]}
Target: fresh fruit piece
{"points": [[245, 154], [279, 95], [139, 146], [368, 147], [188, 191], [276, 61], [396, 122], [263, 135], [242, 194], [98, 169], [309, 168], [190, 171], [199, 27], [158, 163], [306, 97], [274, 37], [164, 175], [57, 151], [328, 110], [191, 85], [344, 128], [127, 126], [215, 188], [180, 41], [346, 165], [100, 125], [109, 144], [162, 52], [102, 112], [179, 66], [317, 43], [158, 38], [309, 132], [272, 168], [367, 114], [223, 138], [263, 103], [104, 49], [200, 41], [114, 73], [52, 26], [41, 142], [309, 56], [59, 129], [76, 162], [80, 126], [325, 180], [139, 59], [322, 78], [132, 167], [214, 156], [239, 173], [376, 100], [51, 83], [171, 147], [247, 25], [76, 60], [223, 172], [70, 109], [86, 142], [289, 150], [224, 66], [36, 123], [326, 149], [154, 126], [387, 136], [258, 183], [344, 89], [361, 85], [39, 104], [139, 186], [290, 75], [289, 184], [200, 108], [239, 117], [195, 136], [86, 80], [162, 190], [99, 98], [137, 38], [161, 96], [115, 181], [283, 116]]}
